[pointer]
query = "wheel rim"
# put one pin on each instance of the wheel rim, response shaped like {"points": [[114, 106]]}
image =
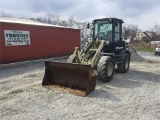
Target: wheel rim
{"points": [[110, 69], [126, 63]]}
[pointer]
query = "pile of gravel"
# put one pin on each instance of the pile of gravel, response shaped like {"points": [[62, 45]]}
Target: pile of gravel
{"points": [[135, 57]]}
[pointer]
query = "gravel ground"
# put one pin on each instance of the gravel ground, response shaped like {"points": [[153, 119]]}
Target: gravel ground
{"points": [[136, 58], [134, 95], [149, 56]]}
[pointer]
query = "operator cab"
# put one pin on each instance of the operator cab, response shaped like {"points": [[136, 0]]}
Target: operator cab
{"points": [[109, 29]]}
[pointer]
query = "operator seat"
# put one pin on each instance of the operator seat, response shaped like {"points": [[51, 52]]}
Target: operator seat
{"points": [[109, 35]]}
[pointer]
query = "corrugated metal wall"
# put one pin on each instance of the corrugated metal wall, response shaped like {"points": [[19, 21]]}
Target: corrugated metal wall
{"points": [[45, 41]]}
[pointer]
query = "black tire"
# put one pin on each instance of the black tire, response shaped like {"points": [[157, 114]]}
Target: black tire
{"points": [[124, 67], [72, 59], [105, 69], [155, 53]]}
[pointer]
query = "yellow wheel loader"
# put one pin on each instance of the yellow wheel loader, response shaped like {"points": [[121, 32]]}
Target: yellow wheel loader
{"points": [[96, 60]]}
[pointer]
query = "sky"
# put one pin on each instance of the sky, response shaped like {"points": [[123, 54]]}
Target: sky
{"points": [[144, 13]]}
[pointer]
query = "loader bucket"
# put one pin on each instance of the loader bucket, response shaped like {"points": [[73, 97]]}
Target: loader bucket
{"points": [[78, 79]]}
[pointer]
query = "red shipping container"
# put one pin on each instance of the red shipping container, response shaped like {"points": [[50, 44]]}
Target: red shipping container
{"points": [[46, 41]]}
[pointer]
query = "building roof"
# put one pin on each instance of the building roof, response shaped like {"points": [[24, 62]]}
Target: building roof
{"points": [[146, 32], [28, 22]]}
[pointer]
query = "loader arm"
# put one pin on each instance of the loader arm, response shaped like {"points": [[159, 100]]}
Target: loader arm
{"points": [[90, 53], [97, 54]]}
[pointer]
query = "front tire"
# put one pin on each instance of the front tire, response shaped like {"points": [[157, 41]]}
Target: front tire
{"points": [[124, 67], [105, 69]]}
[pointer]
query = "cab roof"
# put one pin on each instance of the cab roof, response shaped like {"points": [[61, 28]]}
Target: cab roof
{"points": [[108, 19]]}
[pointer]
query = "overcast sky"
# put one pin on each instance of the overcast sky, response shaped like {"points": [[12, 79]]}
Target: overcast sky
{"points": [[143, 13]]}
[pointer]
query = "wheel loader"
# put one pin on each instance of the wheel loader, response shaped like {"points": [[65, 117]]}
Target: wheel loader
{"points": [[95, 61]]}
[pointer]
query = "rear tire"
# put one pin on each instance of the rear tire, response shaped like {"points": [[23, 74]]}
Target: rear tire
{"points": [[124, 67], [105, 69]]}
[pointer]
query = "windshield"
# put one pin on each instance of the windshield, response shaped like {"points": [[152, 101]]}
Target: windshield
{"points": [[104, 30]]}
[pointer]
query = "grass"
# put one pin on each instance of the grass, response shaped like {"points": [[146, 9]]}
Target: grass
{"points": [[138, 46]]}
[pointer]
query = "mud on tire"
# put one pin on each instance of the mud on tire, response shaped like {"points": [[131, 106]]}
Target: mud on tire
{"points": [[105, 69]]}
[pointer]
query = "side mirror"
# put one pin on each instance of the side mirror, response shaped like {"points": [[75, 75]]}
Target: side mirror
{"points": [[88, 26]]}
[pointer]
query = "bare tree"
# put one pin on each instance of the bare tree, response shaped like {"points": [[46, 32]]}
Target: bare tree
{"points": [[125, 32], [85, 33], [4, 14], [49, 18], [130, 31], [63, 23], [53, 19], [71, 21], [155, 33], [156, 28]]}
